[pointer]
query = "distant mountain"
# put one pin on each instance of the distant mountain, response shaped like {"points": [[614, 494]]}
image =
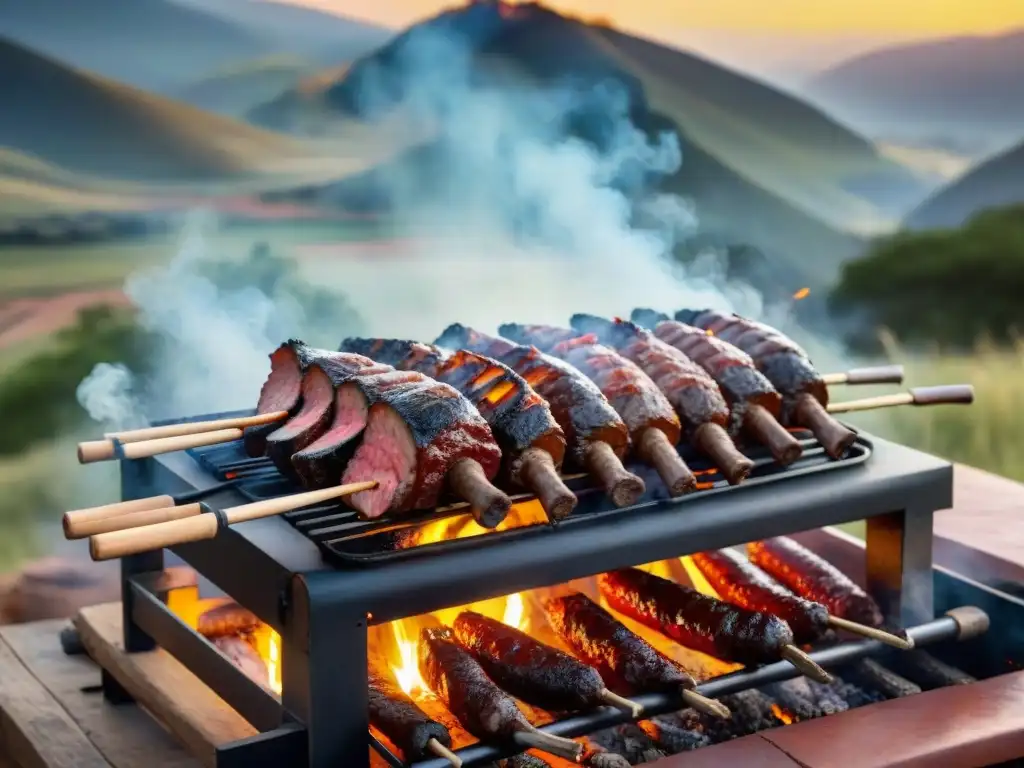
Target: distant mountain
{"points": [[163, 45], [762, 167], [997, 182], [234, 91], [86, 124], [962, 89]]}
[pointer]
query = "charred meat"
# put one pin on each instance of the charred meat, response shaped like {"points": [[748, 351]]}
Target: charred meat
{"points": [[653, 425], [531, 671], [596, 436], [787, 366], [696, 620], [755, 404], [225, 620], [813, 578], [482, 707], [532, 443], [623, 659], [738, 581], [696, 397], [395, 715], [421, 434]]}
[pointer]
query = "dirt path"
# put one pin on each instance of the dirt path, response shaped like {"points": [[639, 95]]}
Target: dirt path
{"points": [[23, 319]]}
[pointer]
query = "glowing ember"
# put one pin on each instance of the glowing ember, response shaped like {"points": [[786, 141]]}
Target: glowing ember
{"points": [[803, 293], [782, 715], [709, 332]]}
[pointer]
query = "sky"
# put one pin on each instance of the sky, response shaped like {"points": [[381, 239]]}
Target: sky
{"points": [[900, 18]]}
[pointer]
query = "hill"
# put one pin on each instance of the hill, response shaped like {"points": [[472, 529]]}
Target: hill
{"points": [[86, 124], [234, 91], [153, 44], [315, 35], [775, 140], [961, 89], [996, 182]]}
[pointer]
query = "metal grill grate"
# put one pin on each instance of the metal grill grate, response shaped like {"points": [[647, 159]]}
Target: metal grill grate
{"points": [[347, 540]]}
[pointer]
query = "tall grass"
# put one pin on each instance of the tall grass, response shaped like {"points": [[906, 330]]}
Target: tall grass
{"points": [[988, 434]]}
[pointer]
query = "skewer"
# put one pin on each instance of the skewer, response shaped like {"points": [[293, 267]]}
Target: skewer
{"points": [[881, 374], [106, 449], [80, 523], [708, 706], [621, 702], [944, 394], [904, 644], [197, 522], [528, 737], [438, 749], [807, 666]]}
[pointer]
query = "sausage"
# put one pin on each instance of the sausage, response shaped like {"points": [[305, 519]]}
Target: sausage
{"points": [[696, 620], [813, 578], [396, 715], [738, 581], [531, 671], [624, 660]]}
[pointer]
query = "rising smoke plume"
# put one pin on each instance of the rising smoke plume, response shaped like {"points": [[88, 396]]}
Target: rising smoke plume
{"points": [[528, 221]]}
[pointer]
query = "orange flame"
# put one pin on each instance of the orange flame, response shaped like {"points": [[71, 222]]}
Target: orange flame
{"points": [[803, 293], [782, 715]]}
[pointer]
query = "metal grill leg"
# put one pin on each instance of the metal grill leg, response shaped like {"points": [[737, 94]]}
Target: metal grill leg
{"points": [[324, 678], [899, 565], [135, 479]]}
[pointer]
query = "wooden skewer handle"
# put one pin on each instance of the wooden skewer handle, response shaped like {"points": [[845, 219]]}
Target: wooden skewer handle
{"points": [[196, 527], [132, 541], [195, 427], [880, 374], [947, 394], [77, 522], [148, 448], [143, 518]]}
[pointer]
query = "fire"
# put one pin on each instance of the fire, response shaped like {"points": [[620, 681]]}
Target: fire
{"points": [[697, 578], [709, 332], [782, 715], [407, 670], [803, 293]]}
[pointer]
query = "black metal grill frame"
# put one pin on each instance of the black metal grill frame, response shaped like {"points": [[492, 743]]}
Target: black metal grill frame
{"points": [[322, 608]]}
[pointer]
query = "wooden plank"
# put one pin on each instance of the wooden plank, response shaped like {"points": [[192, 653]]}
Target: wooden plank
{"points": [[195, 714], [987, 514], [745, 752], [964, 726], [125, 735], [35, 731]]}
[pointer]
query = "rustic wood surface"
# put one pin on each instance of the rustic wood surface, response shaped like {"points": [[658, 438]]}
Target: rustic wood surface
{"points": [[987, 514], [179, 699]]}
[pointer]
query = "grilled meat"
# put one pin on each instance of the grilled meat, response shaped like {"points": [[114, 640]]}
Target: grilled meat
{"points": [[624, 660], [321, 461], [227, 619], [696, 620], [531, 671], [738, 581], [282, 391], [395, 715], [811, 577], [243, 655], [653, 425], [532, 443], [482, 707], [755, 404], [696, 397], [787, 367], [419, 434], [597, 437]]}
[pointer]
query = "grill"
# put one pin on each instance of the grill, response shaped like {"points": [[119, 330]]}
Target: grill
{"points": [[320, 577]]}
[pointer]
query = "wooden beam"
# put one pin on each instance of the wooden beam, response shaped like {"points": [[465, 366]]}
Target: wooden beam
{"points": [[35, 731], [195, 714], [125, 735]]}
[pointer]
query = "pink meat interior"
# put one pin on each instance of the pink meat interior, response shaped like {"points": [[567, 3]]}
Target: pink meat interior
{"points": [[317, 396], [281, 390], [387, 455], [350, 413]]}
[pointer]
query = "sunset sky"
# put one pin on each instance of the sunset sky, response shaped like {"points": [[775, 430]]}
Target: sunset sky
{"points": [[884, 18]]}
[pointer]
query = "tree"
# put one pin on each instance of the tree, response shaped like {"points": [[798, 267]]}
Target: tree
{"points": [[943, 286]]}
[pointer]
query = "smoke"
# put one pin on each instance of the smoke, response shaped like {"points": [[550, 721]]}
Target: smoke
{"points": [[107, 395]]}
